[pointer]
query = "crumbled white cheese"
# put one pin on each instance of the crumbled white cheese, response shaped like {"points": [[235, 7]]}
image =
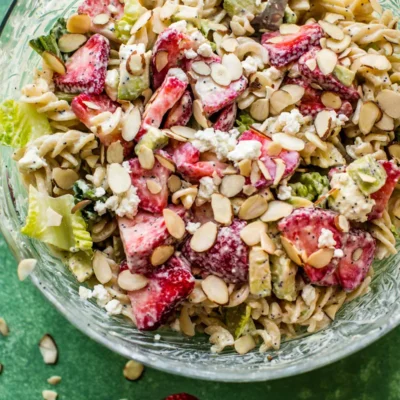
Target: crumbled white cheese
{"points": [[101, 295], [326, 239], [205, 50], [31, 161], [178, 73], [179, 26], [273, 73], [157, 337], [112, 9], [284, 192], [220, 143], [99, 192], [249, 65], [85, 293], [338, 253], [192, 227], [246, 150], [114, 307], [127, 166], [308, 294], [207, 188], [290, 122], [338, 119], [190, 54], [100, 208]]}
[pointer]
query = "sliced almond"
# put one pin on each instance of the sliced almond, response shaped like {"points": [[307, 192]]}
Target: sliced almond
{"points": [[342, 223], [79, 23], [146, 157], [311, 64], [48, 349], [174, 223], [174, 183], [251, 233], [153, 186], [332, 30], [315, 139], [394, 151], [389, 101], [255, 174], [232, 63], [229, 45], [369, 114], [101, 267], [267, 243], [131, 124], [259, 110], [25, 268], [133, 370], [220, 74], [323, 123], [161, 60], [115, 153], [357, 254], [277, 210], [54, 380], [135, 64], [165, 163], [141, 21], [274, 149], [326, 60], [376, 61], [253, 207], [249, 190], [288, 142], [64, 178], [71, 42], [295, 91], [222, 209], [128, 281], [321, 258], [161, 254], [331, 100], [264, 170], [245, 167], [188, 200], [184, 131], [386, 123], [204, 238], [280, 170], [49, 395], [54, 63], [199, 114], [229, 170], [180, 194], [215, 289], [291, 250], [174, 136], [101, 19], [91, 105], [288, 29], [118, 178], [4, 331], [366, 178], [279, 101], [276, 39], [232, 185], [338, 46], [201, 68], [333, 17]]}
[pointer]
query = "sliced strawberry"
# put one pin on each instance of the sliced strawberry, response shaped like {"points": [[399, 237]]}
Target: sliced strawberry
{"points": [[291, 47], [181, 112], [226, 118], [87, 68], [181, 396], [154, 203], [227, 258], [382, 196], [353, 267], [327, 82], [96, 7], [187, 160], [171, 43], [168, 286], [141, 235], [312, 108]]}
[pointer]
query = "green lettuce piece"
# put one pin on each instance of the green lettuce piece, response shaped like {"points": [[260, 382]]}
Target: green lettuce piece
{"points": [[80, 265], [154, 139], [84, 191], [244, 122], [70, 235], [132, 11], [368, 174], [289, 16], [241, 7], [311, 185], [20, 123], [238, 320], [283, 273], [65, 96]]}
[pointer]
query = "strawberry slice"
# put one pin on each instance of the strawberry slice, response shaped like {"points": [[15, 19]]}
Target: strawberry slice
{"points": [[170, 44], [290, 158], [181, 396], [312, 108], [327, 82], [382, 196], [150, 202], [181, 112], [168, 286], [87, 68], [291, 47], [187, 160], [96, 7], [227, 258], [141, 235], [226, 118]]}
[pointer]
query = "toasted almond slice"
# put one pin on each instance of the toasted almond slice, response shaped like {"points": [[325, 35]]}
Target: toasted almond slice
{"points": [[48, 349], [264, 170], [342, 223], [91, 105], [376, 61], [199, 114], [255, 174], [146, 157], [279, 101], [79, 23], [25, 268], [201, 68], [386, 123], [131, 124], [288, 142], [333, 17], [267, 244], [259, 110], [220, 74], [222, 209], [274, 149], [188, 200], [323, 123], [215, 289], [161, 254], [276, 39], [161, 60], [101, 19], [71, 42], [101, 267], [253, 207], [357, 254], [80, 206], [280, 170], [229, 45], [174, 223], [141, 22], [54, 380], [174, 136], [233, 65], [64, 178], [165, 163], [277, 210], [321, 258], [232, 185], [332, 30], [314, 139], [369, 114], [153, 186], [288, 29], [251, 233], [295, 91], [245, 167], [135, 64], [115, 153], [366, 178], [331, 100], [326, 60], [389, 101], [133, 370], [204, 238], [174, 183], [4, 331], [49, 395], [338, 46], [311, 64], [128, 281], [118, 178], [249, 190], [394, 151], [184, 131], [291, 250], [229, 170], [54, 62]]}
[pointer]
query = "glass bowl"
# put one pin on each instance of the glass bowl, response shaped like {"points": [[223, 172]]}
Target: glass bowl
{"points": [[358, 324]]}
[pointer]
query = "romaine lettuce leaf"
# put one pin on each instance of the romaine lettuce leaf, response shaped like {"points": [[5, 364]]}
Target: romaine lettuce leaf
{"points": [[238, 320], [132, 11], [244, 122], [80, 265]]}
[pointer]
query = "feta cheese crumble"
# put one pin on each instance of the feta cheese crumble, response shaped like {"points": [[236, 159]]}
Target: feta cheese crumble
{"points": [[250, 65], [99, 192], [273, 73], [338, 253], [101, 295], [205, 50], [85, 293], [326, 239], [192, 227], [284, 192], [114, 307], [220, 143], [290, 122], [190, 54], [207, 188], [308, 294], [245, 150]]}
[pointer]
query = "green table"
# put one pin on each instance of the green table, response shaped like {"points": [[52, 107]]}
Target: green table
{"points": [[90, 371]]}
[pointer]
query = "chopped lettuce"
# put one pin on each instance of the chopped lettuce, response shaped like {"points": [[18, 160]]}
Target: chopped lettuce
{"points": [[241, 7], [238, 320], [84, 191], [132, 11], [70, 235], [80, 265], [310, 186], [20, 123], [283, 272], [244, 122]]}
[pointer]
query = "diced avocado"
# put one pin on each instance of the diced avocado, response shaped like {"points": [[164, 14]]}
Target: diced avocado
{"points": [[238, 320], [259, 272], [241, 7], [80, 265], [290, 16], [311, 185], [368, 174], [283, 272], [344, 75], [132, 86], [132, 11], [154, 139]]}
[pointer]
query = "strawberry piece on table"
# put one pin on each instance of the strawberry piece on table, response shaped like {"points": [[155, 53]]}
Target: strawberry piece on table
{"points": [[87, 68], [181, 112], [96, 7], [181, 396], [141, 235], [168, 286], [226, 118], [327, 82], [227, 258], [154, 203], [290, 47]]}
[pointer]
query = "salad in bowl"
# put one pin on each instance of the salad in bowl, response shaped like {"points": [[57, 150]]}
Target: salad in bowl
{"points": [[221, 167]]}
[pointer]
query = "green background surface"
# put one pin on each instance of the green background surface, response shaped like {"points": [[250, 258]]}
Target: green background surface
{"points": [[92, 372]]}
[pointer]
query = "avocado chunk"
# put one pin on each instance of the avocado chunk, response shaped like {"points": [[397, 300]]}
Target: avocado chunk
{"points": [[344, 75], [289, 17], [241, 7], [311, 185], [259, 272], [154, 139], [238, 320], [283, 272]]}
